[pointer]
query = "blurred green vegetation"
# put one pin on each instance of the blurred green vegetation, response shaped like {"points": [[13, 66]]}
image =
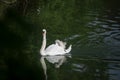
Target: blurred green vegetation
{"points": [[18, 61]]}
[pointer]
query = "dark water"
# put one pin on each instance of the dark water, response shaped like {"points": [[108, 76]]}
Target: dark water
{"points": [[91, 26]]}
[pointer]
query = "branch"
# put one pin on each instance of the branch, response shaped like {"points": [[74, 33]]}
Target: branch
{"points": [[8, 2]]}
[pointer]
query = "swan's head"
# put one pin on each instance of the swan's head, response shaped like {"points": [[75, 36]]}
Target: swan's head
{"points": [[44, 31]]}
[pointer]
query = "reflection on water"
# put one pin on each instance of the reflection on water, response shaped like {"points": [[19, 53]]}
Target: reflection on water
{"points": [[114, 70], [57, 61], [78, 67]]}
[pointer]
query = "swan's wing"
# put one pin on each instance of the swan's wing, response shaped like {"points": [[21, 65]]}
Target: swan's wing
{"points": [[50, 47], [54, 49]]}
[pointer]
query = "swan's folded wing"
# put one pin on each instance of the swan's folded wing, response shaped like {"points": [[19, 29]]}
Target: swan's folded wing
{"points": [[54, 49], [50, 48]]}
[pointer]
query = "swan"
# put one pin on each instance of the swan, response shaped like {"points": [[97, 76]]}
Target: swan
{"points": [[58, 48]]}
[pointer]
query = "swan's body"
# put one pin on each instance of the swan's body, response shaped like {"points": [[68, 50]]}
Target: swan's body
{"points": [[55, 49]]}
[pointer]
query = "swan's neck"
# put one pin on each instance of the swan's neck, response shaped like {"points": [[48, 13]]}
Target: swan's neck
{"points": [[42, 50]]}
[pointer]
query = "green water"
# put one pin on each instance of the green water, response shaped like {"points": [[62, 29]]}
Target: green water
{"points": [[91, 26]]}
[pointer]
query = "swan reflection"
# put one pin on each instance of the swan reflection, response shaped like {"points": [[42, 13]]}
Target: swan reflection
{"points": [[57, 61]]}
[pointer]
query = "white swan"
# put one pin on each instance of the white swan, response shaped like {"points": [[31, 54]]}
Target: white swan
{"points": [[59, 48]]}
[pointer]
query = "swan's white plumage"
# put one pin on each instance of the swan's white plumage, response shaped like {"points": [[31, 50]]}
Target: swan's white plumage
{"points": [[55, 49]]}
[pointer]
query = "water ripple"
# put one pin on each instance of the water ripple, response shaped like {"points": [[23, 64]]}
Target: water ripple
{"points": [[78, 67]]}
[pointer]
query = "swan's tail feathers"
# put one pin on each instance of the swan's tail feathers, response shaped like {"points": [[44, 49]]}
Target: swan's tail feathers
{"points": [[69, 49]]}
